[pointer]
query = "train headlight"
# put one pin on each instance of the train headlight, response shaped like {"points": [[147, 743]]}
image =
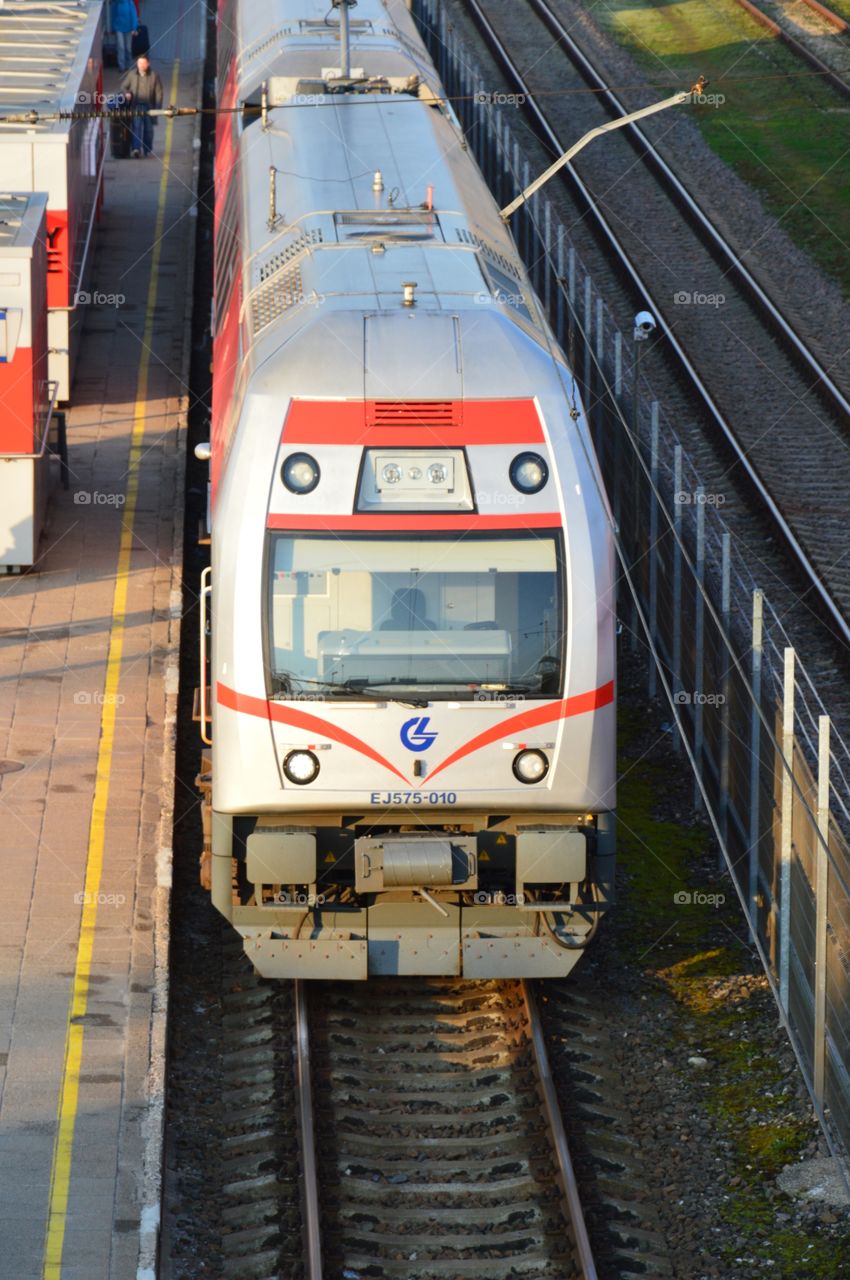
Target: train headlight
{"points": [[438, 473], [530, 766], [300, 473], [301, 767], [391, 473], [529, 472]]}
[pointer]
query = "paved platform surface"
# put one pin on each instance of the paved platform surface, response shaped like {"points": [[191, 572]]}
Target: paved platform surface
{"points": [[87, 683]]}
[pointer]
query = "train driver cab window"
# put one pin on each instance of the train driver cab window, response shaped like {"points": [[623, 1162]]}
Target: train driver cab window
{"points": [[447, 617]]}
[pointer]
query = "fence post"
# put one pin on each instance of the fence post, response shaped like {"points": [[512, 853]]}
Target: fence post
{"points": [[547, 261], [653, 551], [786, 832], [755, 757], [443, 63], [588, 348], [599, 374], [559, 321], [486, 135], [677, 579], [821, 900], [699, 645], [571, 314], [451, 63], [526, 209], [726, 613]]}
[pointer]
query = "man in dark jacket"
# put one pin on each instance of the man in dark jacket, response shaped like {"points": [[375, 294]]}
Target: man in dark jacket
{"points": [[143, 87]]}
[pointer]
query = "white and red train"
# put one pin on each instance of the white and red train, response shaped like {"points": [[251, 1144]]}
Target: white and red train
{"points": [[412, 662]]}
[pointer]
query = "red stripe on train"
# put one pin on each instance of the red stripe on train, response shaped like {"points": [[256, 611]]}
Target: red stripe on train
{"points": [[445, 424], [574, 706], [464, 522], [299, 720], [577, 705]]}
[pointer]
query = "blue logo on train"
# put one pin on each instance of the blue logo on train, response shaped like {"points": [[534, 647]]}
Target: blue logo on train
{"points": [[416, 735]]}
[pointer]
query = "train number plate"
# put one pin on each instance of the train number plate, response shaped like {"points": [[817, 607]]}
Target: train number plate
{"points": [[414, 797]]}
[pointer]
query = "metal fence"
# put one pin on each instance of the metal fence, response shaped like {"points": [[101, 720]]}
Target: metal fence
{"points": [[771, 774]]}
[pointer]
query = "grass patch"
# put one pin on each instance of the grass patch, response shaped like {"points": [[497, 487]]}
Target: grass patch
{"points": [[780, 127], [725, 1004]]}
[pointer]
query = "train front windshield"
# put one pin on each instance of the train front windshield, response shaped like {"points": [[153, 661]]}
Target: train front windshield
{"points": [[446, 617]]}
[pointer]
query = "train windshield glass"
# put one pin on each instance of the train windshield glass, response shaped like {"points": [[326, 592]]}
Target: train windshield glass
{"points": [[444, 617]]}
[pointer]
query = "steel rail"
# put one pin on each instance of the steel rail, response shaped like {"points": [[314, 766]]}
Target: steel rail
{"points": [[555, 1125], [833, 19], [796, 46], [307, 1136], [686, 201], [838, 623]]}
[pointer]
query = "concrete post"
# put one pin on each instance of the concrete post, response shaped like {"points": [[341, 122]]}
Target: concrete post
{"points": [[786, 832], [821, 901], [699, 647], [755, 756], [653, 550], [677, 577]]}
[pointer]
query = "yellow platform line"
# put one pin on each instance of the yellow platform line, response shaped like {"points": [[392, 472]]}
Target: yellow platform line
{"points": [[60, 1174]]}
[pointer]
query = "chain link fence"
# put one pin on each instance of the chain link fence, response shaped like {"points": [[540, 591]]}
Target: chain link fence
{"points": [[771, 772]]}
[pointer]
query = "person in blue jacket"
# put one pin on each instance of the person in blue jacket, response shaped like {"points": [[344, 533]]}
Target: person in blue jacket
{"points": [[125, 20]]}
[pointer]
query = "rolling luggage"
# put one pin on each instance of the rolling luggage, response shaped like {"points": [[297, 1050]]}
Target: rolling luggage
{"points": [[141, 41], [119, 130], [110, 49]]}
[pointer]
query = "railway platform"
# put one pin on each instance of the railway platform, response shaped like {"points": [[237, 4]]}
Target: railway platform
{"points": [[88, 682]]}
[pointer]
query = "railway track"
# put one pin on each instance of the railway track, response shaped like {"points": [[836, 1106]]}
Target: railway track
{"points": [[441, 1147], [410, 1129], [810, 36], [805, 401]]}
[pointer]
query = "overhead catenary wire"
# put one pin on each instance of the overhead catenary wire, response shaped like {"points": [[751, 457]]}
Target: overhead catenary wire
{"points": [[32, 117]]}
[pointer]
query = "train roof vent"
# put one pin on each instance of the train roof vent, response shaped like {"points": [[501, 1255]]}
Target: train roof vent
{"points": [[292, 250], [490, 253], [413, 413], [318, 27], [275, 297], [255, 50], [389, 224]]}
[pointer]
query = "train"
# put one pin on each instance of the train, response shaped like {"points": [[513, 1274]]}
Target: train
{"points": [[407, 625]]}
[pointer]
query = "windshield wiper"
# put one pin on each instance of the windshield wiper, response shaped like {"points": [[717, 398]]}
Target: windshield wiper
{"points": [[348, 688]]}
